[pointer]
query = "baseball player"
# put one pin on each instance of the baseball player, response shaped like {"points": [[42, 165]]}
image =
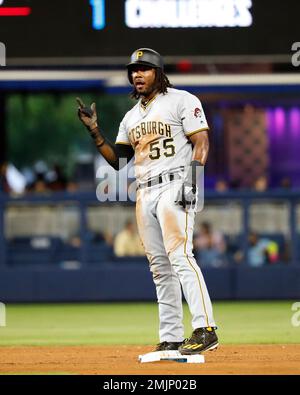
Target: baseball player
{"points": [[166, 132]]}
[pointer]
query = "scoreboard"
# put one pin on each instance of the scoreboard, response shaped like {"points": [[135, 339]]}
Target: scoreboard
{"points": [[83, 29]]}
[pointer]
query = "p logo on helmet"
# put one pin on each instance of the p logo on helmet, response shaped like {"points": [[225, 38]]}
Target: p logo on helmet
{"points": [[139, 54], [146, 57]]}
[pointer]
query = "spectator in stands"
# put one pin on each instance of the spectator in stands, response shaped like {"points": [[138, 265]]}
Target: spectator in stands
{"points": [[4, 185], [285, 183], [127, 242], [261, 250], [72, 186], [102, 237], [93, 237], [210, 247], [39, 185], [58, 180], [261, 184], [75, 241], [221, 185], [12, 180]]}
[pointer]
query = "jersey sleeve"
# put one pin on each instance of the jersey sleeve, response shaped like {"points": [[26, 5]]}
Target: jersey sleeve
{"points": [[192, 115], [122, 137]]}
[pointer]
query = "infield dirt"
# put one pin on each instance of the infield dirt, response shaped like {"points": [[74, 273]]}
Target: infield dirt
{"points": [[115, 360]]}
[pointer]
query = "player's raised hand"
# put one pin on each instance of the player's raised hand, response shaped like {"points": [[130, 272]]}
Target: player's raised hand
{"points": [[87, 115]]}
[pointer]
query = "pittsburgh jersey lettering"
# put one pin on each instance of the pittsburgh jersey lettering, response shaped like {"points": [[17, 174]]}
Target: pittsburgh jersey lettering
{"points": [[150, 127]]}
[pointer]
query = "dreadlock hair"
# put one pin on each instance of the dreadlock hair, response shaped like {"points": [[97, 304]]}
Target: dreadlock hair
{"points": [[161, 83]]}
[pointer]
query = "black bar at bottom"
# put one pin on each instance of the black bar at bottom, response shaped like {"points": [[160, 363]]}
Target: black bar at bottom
{"points": [[137, 384]]}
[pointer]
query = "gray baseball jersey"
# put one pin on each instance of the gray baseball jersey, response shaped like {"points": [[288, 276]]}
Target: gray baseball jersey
{"points": [[158, 132]]}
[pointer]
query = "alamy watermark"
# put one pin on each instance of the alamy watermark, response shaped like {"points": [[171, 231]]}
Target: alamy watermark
{"points": [[2, 315], [296, 55], [295, 320], [121, 185], [2, 55]]}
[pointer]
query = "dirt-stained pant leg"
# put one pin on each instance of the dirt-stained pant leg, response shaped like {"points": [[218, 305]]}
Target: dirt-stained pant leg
{"points": [[167, 284], [177, 227]]}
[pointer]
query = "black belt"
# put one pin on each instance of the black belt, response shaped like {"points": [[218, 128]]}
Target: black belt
{"points": [[167, 177]]}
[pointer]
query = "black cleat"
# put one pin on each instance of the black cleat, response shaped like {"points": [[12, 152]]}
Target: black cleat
{"points": [[167, 346], [202, 339]]}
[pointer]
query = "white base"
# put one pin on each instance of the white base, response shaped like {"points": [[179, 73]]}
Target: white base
{"points": [[171, 356]]}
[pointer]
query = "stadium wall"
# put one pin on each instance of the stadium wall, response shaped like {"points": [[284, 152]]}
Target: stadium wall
{"points": [[131, 281]]}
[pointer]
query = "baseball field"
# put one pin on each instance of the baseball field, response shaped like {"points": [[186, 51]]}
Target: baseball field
{"points": [[105, 338]]}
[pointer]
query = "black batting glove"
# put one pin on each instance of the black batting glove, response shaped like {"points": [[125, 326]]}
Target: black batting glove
{"points": [[88, 116], [187, 194]]}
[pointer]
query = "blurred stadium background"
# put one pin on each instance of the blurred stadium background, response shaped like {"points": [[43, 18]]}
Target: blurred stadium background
{"points": [[58, 243]]}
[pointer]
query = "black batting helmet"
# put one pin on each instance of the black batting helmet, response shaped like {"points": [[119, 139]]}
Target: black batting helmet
{"points": [[145, 57]]}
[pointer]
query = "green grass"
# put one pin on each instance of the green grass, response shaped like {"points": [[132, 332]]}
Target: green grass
{"points": [[137, 323]]}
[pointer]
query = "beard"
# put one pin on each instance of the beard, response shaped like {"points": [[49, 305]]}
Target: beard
{"points": [[148, 91]]}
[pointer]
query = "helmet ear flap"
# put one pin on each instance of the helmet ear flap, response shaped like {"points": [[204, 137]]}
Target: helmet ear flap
{"points": [[130, 76]]}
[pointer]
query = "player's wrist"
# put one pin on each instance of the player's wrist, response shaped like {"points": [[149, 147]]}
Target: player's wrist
{"points": [[93, 127], [98, 138], [196, 163], [100, 141], [191, 179], [95, 132]]}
